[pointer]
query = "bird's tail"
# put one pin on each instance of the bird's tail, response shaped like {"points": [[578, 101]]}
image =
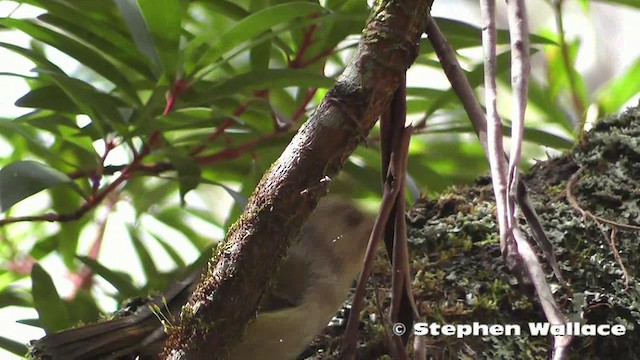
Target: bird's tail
{"points": [[110, 339], [137, 335]]}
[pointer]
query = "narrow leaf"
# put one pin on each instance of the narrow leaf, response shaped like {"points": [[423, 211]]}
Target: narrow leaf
{"points": [[120, 281], [254, 25], [189, 171], [621, 89], [79, 51], [21, 179], [51, 308], [101, 36], [139, 30], [164, 20], [264, 79], [146, 260], [13, 346]]}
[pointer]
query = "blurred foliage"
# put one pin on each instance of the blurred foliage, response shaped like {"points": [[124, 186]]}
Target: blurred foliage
{"points": [[175, 108]]}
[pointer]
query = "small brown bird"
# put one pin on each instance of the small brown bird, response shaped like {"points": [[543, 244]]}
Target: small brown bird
{"points": [[309, 288]]}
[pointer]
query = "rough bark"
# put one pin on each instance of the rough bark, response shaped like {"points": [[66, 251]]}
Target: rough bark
{"points": [[229, 293], [459, 275]]}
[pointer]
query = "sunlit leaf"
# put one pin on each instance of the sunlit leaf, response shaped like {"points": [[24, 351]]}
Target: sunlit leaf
{"points": [[40, 60], [100, 107], [631, 3], [51, 308], [121, 282], [22, 179], [176, 218], [101, 36], [83, 308], [12, 346], [189, 171], [621, 89], [144, 255], [462, 35], [77, 50], [11, 296], [171, 251], [252, 26], [263, 79], [139, 30], [563, 78], [164, 19]]}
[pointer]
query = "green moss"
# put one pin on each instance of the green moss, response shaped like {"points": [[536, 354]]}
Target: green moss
{"points": [[460, 277]]}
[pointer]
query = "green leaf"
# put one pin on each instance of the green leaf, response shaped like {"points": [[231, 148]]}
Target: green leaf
{"points": [[13, 296], [68, 236], [21, 179], [540, 98], [462, 35], [144, 118], [189, 171], [240, 199], [99, 35], [40, 60], [35, 143], [264, 79], [100, 107], [30, 322], [54, 98], [51, 308], [558, 75], [120, 281], [261, 53], [584, 4], [250, 27], [621, 89], [77, 50], [139, 31], [173, 254], [631, 3], [83, 308], [235, 12], [164, 20], [146, 260], [13, 346], [183, 119], [175, 217], [50, 98], [95, 10], [227, 8], [347, 18]]}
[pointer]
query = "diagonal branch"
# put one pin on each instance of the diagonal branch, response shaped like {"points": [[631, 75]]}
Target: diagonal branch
{"points": [[287, 193]]}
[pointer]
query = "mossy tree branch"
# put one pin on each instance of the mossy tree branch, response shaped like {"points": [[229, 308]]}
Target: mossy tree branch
{"points": [[228, 295]]}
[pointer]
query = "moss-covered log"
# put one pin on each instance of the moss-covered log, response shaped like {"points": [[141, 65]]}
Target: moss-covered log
{"points": [[460, 278]]}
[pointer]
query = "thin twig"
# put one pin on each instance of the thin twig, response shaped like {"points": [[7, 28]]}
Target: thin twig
{"points": [[586, 214], [494, 125], [390, 193], [516, 251], [616, 255], [386, 324], [520, 67], [462, 88]]}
